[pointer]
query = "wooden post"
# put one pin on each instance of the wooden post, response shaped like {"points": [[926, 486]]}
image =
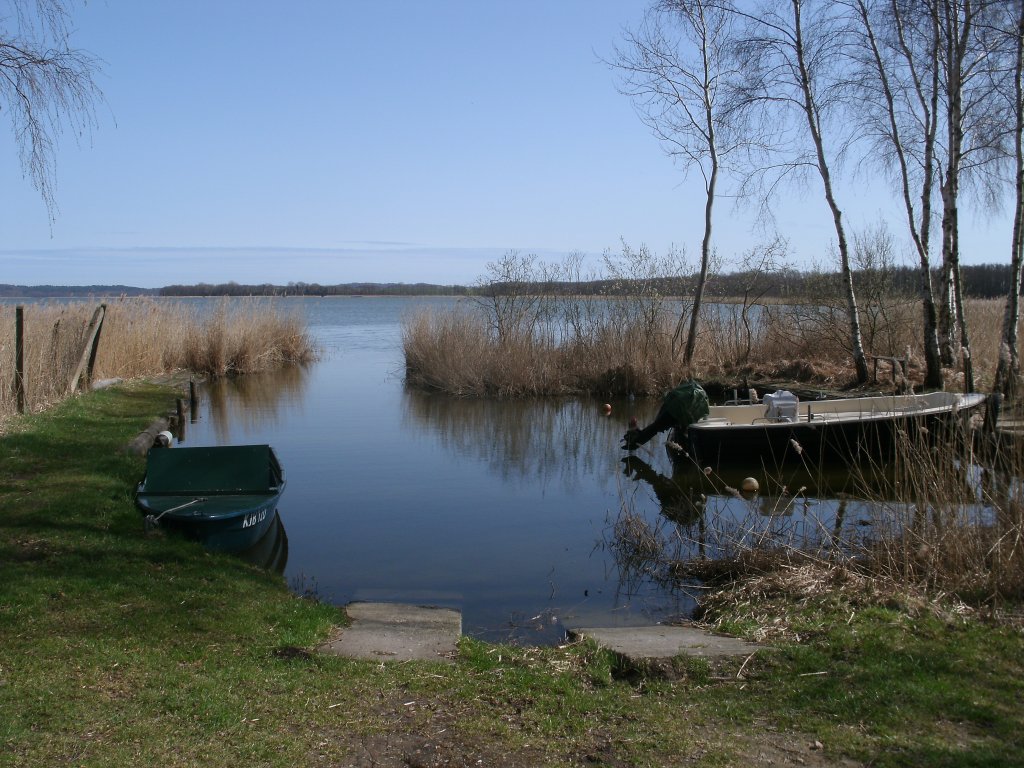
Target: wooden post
{"points": [[193, 402], [95, 342], [88, 359], [20, 385], [181, 420]]}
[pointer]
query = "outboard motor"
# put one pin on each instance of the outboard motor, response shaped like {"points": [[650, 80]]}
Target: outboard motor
{"points": [[782, 406], [680, 408]]}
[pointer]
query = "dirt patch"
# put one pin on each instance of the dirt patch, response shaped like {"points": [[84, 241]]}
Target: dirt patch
{"points": [[30, 550], [420, 733], [426, 734], [773, 748], [424, 751], [441, 749]]}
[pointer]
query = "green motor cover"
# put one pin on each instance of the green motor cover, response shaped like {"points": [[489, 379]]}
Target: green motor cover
{"points": [[687, 403]]}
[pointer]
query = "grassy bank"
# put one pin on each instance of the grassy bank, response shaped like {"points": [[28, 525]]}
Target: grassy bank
{"points": [[117, 648]]}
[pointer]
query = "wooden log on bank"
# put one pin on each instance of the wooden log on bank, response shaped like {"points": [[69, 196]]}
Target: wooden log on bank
{"points": [[145, 439]]}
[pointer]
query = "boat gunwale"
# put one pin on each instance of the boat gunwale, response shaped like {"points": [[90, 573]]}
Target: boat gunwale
{"points": [[963, 402], [198, 515], [274, 490]]}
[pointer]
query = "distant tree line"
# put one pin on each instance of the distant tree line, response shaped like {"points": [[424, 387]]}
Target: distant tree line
{"points": [[72, 291], [315, 289], [982, 281], [986, 281]]}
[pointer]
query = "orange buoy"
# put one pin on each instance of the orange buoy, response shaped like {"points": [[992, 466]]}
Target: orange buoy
{"points": [[607, 409]]}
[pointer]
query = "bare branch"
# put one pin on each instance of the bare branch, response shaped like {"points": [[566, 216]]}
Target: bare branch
{"points": [[46, 87]]}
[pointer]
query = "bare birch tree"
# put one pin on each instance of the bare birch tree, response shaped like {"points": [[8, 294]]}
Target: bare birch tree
{"points": [[793, 52], [967, 51], [674, 68], [46, 86], [1008, 369], [897, 82]]}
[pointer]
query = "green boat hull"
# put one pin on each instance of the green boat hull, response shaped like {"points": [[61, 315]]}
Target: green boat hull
{"points": [[224, 496]]}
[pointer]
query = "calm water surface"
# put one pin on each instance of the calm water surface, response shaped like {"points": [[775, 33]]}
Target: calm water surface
{"points": [[501, 510], [507, 511]]}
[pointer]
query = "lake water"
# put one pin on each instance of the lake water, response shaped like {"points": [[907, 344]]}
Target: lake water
{"points": [[502, 510], [526, 516]]}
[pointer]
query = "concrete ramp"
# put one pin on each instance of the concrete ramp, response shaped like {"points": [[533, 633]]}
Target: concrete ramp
{"points": [[397, 632], [640, 644]]}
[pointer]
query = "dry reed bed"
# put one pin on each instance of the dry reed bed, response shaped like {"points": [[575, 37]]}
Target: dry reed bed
{"points": [[144, 337], [938, 526], [636, 349], [454, 351]]}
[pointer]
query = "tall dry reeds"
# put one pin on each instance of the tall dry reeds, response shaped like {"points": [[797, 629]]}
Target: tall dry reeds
{"points": [[457, 351], [603, 346], [244, 337], [949, 515], [144, 337]]}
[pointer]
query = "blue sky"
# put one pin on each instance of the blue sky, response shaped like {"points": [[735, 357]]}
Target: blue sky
{"points": [[368, 140]]}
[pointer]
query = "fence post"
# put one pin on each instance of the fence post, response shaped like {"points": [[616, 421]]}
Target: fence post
{"points": [[20, 385], [95, 343], [92, 341]]}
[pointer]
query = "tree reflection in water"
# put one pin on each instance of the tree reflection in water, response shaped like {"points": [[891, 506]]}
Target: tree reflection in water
{"points": [[538, 441], [251, 401]]}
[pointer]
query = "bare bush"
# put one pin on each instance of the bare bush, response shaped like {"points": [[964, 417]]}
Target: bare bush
{"points": [[648, 293]]}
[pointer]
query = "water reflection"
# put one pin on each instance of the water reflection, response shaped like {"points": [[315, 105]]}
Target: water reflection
{"points": [[271, 551], [681, 502], [674, 523], [536, 440], [808, 512], [900, 514], [253, 401]]}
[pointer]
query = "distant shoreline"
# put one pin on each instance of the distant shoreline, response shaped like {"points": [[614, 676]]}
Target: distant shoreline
{"points": [[979, 281], [10, 292]]}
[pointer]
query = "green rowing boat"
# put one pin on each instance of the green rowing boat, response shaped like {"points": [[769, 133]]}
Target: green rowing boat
{"points": [[223, 496]]}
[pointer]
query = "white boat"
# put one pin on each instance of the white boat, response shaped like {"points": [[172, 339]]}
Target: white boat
{"points": [[784, 429]]}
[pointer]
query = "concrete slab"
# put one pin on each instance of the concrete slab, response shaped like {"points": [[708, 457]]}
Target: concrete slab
{"points": [[398, 632], [664, 642]]}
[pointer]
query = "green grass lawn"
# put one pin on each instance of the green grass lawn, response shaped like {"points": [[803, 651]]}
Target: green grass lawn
{"points": [[121, 648]]}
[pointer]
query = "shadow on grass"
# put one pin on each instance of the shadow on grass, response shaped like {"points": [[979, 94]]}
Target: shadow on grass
{"points": [[72, 542]]}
